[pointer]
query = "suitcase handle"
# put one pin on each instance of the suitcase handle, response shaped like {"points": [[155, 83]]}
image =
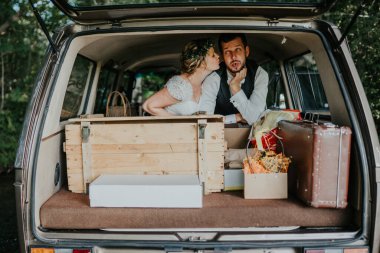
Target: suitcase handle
{"points": [[311, 117]]}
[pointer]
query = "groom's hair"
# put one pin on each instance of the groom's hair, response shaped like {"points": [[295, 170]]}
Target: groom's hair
{"points": [[227, 37]]}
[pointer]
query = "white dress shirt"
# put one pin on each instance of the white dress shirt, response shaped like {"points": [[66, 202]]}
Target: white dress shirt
{"points": [[250, 108]]}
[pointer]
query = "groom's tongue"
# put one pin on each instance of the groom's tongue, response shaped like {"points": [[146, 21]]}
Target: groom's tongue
{"points": [[235, 65]]}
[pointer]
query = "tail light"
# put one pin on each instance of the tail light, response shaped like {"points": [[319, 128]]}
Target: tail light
{"points": [[59, 250], [337, 250]]}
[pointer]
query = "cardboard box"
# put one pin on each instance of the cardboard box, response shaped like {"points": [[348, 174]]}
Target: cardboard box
{"points": [[236, 137], [155, 191], [266, 186], [233, 179]]}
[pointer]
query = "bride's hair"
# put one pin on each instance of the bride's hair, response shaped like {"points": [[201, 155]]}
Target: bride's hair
{"points": [[194, 53]]}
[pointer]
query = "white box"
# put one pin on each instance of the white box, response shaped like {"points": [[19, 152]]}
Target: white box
{"points": [[233, 179], [156, 191], [266, 186]]}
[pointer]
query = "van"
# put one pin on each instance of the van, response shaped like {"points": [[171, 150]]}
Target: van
{"points": [[134, 47]]}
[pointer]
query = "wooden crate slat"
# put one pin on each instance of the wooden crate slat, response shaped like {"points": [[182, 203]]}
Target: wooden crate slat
{"points": [[155, 161], [144, 133], [154, 119], [143, 148]]}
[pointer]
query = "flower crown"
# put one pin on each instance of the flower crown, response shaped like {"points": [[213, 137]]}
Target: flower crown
{"points": [[200, 49]]}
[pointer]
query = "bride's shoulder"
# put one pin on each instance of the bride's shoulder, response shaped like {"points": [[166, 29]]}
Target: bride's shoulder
{"points": [[179, 88]]}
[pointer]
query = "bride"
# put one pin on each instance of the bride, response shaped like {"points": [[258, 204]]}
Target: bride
{"points": [[181, 94]]}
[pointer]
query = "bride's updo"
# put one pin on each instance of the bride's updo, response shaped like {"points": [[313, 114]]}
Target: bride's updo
{"points": [[194, 53]]}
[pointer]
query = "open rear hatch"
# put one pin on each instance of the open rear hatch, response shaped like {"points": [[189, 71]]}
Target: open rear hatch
{"points": [[115, 11]]}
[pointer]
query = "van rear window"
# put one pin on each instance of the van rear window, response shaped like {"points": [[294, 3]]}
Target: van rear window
{"points": [[306, 84]]}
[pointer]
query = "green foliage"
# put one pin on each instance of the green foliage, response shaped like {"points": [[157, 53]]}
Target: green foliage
{"points": [[22, 47], [364, 43]]}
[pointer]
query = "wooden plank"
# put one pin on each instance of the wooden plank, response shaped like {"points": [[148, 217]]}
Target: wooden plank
{"points": [[145, 133], [215, 164], [155, 162], [187, 161], [86, 156], [137, 148], [144, 148], [193, 118], [202, 153], [215, 180], [72, 134]]}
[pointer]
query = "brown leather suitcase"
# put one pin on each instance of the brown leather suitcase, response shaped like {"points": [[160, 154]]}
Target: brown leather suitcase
{"points": [[320, 156]]}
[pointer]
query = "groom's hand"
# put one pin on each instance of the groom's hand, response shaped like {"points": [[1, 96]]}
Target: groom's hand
{"points": [[235, 82], [239, 118]]}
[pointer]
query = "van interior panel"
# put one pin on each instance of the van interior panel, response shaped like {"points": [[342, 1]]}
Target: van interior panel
{"points": [[136, 54]]}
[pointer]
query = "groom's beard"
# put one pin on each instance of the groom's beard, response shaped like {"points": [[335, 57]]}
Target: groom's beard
{"points": [[236, 69]]}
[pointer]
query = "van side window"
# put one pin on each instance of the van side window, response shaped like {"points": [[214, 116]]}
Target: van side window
{"points": [[305, 83], [80, 78], [276, 90], [107, 84]]}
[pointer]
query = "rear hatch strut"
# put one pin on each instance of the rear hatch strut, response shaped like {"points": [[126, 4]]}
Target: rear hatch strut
{"points": [[43, 27], [363, 4]]}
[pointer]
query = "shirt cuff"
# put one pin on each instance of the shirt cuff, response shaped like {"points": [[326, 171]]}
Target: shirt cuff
{"points": [[237, 98], [230, 119]]}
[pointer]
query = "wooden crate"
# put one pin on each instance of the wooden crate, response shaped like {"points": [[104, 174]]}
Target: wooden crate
{"points": [[191, 145]]}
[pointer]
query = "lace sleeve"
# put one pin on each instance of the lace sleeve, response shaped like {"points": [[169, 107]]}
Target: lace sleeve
{"points": [[179, 88]]}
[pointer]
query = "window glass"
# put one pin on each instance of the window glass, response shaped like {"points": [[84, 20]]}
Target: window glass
{"points": [[106, 84], [276, 91], [81, 75], [147, 83], [306, 84], [94, 3]]}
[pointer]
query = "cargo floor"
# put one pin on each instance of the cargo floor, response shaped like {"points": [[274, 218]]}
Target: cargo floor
{"points": [[66, 210]]}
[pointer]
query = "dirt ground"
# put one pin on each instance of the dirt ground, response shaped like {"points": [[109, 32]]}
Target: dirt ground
{"points": [[8, 224]]}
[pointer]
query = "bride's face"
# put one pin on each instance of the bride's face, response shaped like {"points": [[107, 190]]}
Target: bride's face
{"points": [[212, 60]]}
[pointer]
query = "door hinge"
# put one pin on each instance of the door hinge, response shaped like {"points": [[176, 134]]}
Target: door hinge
{"points": [[273, 21], [116, 24]]}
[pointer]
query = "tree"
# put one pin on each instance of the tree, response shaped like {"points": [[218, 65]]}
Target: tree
{"points": [[364, 43], [22, 47]]}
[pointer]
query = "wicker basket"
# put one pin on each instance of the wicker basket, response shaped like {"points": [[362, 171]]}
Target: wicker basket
{"points": [[117, 105]]}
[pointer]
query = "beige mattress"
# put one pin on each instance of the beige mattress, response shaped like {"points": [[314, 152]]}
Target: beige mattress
{"points": [[66, 210]]}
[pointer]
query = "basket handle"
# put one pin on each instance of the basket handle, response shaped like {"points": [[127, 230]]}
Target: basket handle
{"points": [[115, 94]]}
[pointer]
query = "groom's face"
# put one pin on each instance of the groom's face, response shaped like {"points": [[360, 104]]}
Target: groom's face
{"points": [[235, 54]]}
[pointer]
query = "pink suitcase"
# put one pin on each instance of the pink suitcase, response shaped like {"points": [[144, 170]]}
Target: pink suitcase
{"points": [[320, 156]]}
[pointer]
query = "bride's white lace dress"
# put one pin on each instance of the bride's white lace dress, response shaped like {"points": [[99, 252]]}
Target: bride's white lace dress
{"points": [[181, 89]]}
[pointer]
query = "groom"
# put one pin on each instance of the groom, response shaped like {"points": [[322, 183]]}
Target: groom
{"points": [[239, 88]]}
